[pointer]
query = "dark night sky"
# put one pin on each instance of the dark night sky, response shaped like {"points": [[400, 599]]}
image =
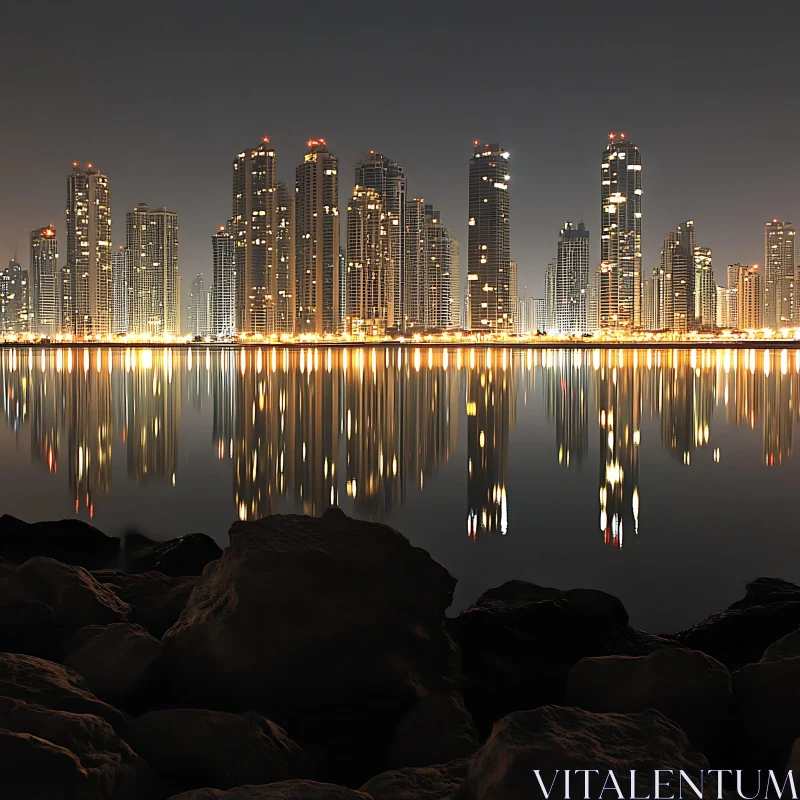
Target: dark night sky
{"points": [[162, 95]]}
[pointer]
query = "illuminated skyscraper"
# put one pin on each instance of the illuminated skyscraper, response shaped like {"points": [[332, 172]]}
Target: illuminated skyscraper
{"points": [[369, 294], [572, 279], [152, 240], [705, 290], [488, 255], [780, 308], [513, 286], [14, 299], [550, 295], [86, 281], [727, 311], [223, 290], [376, 171], [253, 227], [456, 316], [286, 278], [619, 303], [750, 297], [676, 299], [317, 245], [122, 277], [199, 308], [44, 278]]}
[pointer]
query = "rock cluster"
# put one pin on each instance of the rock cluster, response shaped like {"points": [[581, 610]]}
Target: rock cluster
{"points": [[312, 660]]}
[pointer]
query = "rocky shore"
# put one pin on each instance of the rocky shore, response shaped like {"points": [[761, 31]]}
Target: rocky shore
{"points": [[312, 659]]}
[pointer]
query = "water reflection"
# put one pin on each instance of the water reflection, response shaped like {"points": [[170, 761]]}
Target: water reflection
{"points": [[301, 426]]}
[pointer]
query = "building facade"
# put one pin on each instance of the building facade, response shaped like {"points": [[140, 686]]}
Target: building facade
{"points": [[705, 290], [223, 288], [318, 301], [781, 310], [86, 289], [727, 308], [572, 279], [489, 246], [550, 285], [14, 300], [619, 303], [199, 308], [44, 280], [750, 299], [456, 315], [286, 276], [676, 280], [122, 281]]}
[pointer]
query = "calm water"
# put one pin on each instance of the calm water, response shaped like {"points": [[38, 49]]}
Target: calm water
{"points": [[665, 477]]}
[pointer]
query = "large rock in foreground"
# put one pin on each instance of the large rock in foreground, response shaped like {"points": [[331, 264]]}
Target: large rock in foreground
{"points": [[308, 619], [193, 748], [56, 754], [553, 738], [68, 540], [285, 790], [436, 782], [186, 555], [687, 686], [35, 680]]}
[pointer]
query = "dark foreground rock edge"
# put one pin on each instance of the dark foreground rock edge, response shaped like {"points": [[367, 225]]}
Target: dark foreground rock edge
{"points": [[313, 658]]}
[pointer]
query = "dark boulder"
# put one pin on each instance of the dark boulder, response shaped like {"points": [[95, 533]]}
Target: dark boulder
{"points": [[45, 683], [552, 738], [157, 599], [285, 790], [435, 782], [28, 626], [186, 555], [687, 686], [331, 626], [119, 662], [786, 647], [192, 748], [519, 642], [57, 754], [70, 541], [763, 591], [437, 730]]}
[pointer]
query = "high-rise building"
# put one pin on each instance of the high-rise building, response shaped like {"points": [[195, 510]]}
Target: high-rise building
{"points": [[440, 271], [550, 295], [727, 311], [750, 299], [648, 304], [705, 290], [415, 263], [376, 171], [525, 318], [122, 280], [539, 323], [732, 273], [317, 242], [223, 288], [86, 282], [14, 299], [151, 237], [513, 288], [456, 316], [488, 256], [619, 304], [253, 227], [676, 300], [44, 278], [199, 308], [780, 308], [368, 263], [286, 278], [572, 279]]}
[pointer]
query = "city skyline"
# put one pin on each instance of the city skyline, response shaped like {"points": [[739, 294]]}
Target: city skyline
{"points": [[706, 67]]}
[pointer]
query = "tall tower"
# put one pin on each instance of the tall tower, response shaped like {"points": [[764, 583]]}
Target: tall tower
{"points": [[456, 316], [44, 278], [620, 287], [14, 299], [317, 248], [254, 222], [199, 308], [550, 295], [152, 240], [285, 272], [705, 290], [488, 257], [781, 309], [676, 310], [223, 290], [750, 299], [87, 294], [386, 177], [122, 279], [572, 279], [369, 291]]}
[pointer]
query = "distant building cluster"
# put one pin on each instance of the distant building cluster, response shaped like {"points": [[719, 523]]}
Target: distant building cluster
{"points": [[278, 265]]}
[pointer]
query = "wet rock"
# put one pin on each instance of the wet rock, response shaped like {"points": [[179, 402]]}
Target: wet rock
{"points": [[157, 599], [436, 782], [331, 626], [186, 555], [119, 662], [519, 642], [687, 686], [193, 748], [285, 790], [767, 701], [437, 730], [45, 683], [786, 647], [68, 540], [553, 738], [57, 754]]}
